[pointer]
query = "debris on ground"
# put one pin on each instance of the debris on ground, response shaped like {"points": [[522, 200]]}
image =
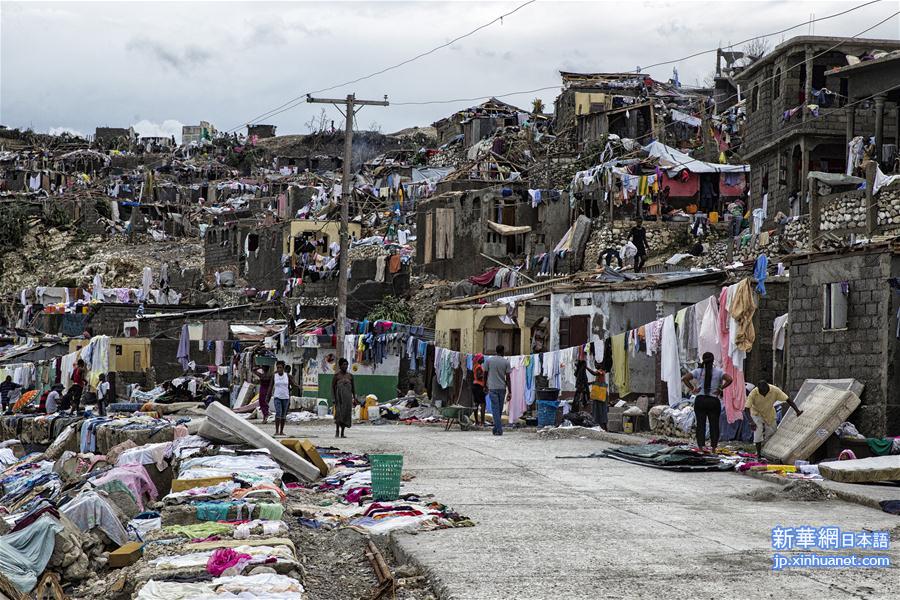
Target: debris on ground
{"points": [[796, 491]]}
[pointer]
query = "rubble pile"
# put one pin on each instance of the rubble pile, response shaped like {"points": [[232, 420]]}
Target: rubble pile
{"points": [[51, 256], [429, 292]]}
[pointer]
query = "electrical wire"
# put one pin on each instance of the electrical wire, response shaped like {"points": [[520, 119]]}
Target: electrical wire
{"points": [[763, 36], [302, 97]]}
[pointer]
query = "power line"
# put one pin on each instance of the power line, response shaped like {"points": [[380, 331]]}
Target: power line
{"points": [[762, 36], [804, 24], [294, 101]]}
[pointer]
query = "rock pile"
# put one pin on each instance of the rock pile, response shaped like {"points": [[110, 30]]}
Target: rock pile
{"points": [[848, 212]]}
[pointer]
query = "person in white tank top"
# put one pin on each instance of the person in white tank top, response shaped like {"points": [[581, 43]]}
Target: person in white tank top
{"points": [[281, 395]]}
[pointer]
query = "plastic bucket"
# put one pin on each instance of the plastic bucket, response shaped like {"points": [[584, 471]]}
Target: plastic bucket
{"points": [[322, 408], [546, 415]]}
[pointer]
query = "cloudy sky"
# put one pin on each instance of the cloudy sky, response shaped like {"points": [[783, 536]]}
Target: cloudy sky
{"points": [[156, 65]]}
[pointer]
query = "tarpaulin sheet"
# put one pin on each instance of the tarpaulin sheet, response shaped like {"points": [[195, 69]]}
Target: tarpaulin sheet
{"points": [[675, 160], [24, 554]]}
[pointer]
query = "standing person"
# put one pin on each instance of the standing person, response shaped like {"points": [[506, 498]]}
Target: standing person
{"points": [[5, 388], [498, 371], [638, 236], [582, 387], [761, 404], [73, 394], [51, 404], [264, 377], [102, 393], [478, 385], [599, 396], [343, 391], [281, 395], [707, 406]]}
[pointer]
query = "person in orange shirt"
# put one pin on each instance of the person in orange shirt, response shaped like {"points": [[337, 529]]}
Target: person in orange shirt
{"points": [[478, 382]]}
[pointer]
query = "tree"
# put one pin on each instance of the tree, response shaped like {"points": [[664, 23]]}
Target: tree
{"points": [[756, 49], [318, 123], [537, 106]]}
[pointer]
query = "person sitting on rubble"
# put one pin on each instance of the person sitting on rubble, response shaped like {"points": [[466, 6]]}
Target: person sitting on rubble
{"points": [[761, 405], [51, 402]]}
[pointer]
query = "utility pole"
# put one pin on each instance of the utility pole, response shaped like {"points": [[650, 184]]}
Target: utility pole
{"points": [[346, 189]]}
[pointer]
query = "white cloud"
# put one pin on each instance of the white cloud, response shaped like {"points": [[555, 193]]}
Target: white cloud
{"points": [[167, 128], [62, 130]]}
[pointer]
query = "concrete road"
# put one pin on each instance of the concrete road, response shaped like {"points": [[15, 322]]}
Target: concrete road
{"points": [[599, 528]]}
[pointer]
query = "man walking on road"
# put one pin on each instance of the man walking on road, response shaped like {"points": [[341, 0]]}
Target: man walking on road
{"points": [[498, 370]]}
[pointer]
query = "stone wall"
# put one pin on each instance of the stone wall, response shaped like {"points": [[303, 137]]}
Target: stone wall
{"points": [[864, 350], [848, 210]]}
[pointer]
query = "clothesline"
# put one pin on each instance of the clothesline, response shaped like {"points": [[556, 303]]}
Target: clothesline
{"points": [[721, 325]]}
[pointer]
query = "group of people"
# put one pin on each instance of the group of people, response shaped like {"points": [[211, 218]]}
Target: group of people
{"points": [[57, 399], [707, 383], [277, 388]]}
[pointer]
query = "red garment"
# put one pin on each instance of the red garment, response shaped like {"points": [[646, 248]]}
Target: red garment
{"points": [[78, 376], [487, 278]]}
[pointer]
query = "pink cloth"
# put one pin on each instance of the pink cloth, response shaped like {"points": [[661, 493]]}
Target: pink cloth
{"points": [[517, 405], [135, 478], [735, 395], [223, 559]]}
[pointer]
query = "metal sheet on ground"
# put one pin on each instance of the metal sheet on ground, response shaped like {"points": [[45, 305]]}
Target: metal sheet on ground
{"points": [[823, 410]]}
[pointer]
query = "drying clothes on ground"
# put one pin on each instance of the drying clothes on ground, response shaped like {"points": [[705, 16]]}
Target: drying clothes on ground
{"points": [[621, 376], [24, 554], [226, 558], [91, 510], [200, 530], [270, 511], [135, 478], [212, 511], [670, 364]]}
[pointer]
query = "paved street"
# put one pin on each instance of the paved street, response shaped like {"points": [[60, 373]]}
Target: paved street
{"points": [[598, 528]]}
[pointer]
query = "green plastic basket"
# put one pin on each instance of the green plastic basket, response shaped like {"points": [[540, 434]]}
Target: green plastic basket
{"points": [[386, 470]]}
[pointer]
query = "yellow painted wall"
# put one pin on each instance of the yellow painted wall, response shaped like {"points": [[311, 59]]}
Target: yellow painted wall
{"points": [[134, 352], [583, 101], [469, 321], [332, 229]]}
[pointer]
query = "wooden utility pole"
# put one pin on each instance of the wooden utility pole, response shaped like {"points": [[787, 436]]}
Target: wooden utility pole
{"points": [[346, 188]]}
